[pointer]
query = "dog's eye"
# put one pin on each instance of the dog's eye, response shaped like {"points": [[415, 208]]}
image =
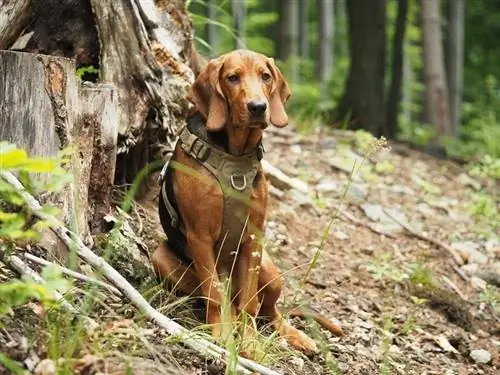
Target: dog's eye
{"points": [[266, 76], [233, 78]]}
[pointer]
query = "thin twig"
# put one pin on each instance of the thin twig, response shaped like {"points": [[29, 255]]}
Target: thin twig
{"points": [[22, 268], [72, 273], [453, 286], [456, 258], [201, 345]]}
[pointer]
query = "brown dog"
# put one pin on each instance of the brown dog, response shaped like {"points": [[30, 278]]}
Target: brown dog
{"points": [[214, 194]]}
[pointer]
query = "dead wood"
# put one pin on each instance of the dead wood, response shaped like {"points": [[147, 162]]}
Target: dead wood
{"points": [[14, 16]]}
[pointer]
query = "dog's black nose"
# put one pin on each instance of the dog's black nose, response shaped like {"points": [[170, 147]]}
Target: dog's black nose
{"points": [[256, 108]]}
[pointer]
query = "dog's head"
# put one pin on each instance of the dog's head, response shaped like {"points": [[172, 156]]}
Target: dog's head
{"points": [[242, 89]]}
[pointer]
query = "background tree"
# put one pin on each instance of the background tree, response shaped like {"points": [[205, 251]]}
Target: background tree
{"points": [[289, 33], [326, 27], [239, 13], [394, 94], [211, 28], [455, 59], [437, 112], [363, 99], [303, 29]]}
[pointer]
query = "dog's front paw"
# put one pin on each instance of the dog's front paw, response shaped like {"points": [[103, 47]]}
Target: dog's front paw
{"points": [[298, 339]]}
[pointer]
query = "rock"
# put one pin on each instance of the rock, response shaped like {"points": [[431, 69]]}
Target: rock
{"points": [[469, 252], [478, 283], [339, 235], [385, 223], [296, 149], [46, 367], [467, 180], [492, 247], [328, 187], [470, 269], [346, 159], [480, 356], [297, 362], [402, 189]]}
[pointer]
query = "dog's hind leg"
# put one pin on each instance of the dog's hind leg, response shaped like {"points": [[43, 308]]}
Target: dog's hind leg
{"points": [[168, 266]]}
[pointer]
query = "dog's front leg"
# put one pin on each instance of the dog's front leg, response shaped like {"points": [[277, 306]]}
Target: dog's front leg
{"points": [[206, 271], [248, 281]]}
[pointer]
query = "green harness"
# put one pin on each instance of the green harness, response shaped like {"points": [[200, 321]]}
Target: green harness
{"points": [[235, 175]]}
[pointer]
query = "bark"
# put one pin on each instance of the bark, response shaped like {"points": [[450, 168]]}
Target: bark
{"points": [[211, 29], [325, 46], [99, 132], [239, 13], [303, 31], [288, 44], [37, 113], [143, 48], [394, 95], [14, 17], [455, 59], [363, 100], [437, 112], [341, 27]]}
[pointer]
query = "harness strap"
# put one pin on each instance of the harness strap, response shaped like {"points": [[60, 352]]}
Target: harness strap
{"points": [[235, 175]]}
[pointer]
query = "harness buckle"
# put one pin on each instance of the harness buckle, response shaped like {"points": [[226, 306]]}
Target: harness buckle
{"points": [[240, 187], [200, 150]]}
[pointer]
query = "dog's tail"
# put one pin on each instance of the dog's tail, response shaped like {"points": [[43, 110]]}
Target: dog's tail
{"points": [[308, 313]]}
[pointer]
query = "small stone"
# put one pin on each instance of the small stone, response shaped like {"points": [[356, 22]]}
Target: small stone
{"points": [[480, 356], [46, 367], [467, 180], [469, 252], [297, 362], [327, 187], [339, 235], [296, 149], [478, 283]]}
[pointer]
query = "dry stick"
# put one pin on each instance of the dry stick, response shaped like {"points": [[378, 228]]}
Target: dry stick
{"points": [[456, 258], [22, 268], [201, 345], [72, 273]]}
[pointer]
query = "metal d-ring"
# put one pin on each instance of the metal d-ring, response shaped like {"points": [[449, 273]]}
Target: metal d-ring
{"points": [[240, 187]]}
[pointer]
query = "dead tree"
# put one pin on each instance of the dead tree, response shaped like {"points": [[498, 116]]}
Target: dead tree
{"points": [[141, 47]]}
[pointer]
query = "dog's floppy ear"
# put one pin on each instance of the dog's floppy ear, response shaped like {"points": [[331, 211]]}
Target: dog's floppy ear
{"points": [[206, 94], [280, 92]]}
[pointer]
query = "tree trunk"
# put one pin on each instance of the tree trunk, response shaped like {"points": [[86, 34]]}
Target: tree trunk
{"points": [[140, 46], [14, 17], [289, 33], [238, 9], [211, 28], [341, 27], [437, 111], [363, 100], [325, 39], [455, 59], [41, 114], [303, 31], [394, 95]]}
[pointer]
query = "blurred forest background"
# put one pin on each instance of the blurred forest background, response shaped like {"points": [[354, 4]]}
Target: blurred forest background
{"points": [[425, 71]]}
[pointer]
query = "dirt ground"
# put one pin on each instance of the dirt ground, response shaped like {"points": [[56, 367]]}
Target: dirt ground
{"points": [[405, 305]]}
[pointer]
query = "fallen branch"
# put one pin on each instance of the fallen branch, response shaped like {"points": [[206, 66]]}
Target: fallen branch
{"points": [[356, 221], [74, 274], [281, 180], [203, 346], [456, 258], [455, 288], [23, 269]]}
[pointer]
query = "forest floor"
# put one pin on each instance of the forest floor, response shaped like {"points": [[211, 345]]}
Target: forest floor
{"points": [[406, 305]]}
